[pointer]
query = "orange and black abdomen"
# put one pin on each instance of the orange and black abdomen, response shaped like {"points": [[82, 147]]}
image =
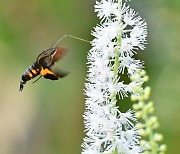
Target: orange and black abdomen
{"points": [[29, 74]]}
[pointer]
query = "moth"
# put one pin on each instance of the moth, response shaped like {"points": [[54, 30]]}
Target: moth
{"points": [[43, 66]]}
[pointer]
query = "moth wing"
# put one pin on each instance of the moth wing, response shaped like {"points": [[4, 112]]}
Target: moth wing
{"points": [[59, 54], [61, 74], [52, 75], [49, 57]]}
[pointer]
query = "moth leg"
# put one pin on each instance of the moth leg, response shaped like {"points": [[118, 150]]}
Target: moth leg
{"points": [[37, 79]]}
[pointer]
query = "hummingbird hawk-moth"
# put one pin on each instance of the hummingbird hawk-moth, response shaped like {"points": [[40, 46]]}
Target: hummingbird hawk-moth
{"points": [[43, 66]]}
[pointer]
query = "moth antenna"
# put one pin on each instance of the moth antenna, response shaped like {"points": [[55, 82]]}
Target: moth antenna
{"points": [[77, 38]]}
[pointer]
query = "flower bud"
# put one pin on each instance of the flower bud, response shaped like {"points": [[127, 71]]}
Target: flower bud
{"points": [[143, 72], [140, 125], [134, 98], [138, 114], [163, 148], [135, 107], [143, 133], [158, 137], [147, 93], [146, 78], [141, 104]]}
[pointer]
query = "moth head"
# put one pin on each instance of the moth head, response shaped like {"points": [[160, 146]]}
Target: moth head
{"points": [[50, 56], [45, 57]]}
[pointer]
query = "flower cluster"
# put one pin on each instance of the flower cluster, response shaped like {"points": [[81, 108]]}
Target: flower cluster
{"points": [[120, 33], [148, 122]]}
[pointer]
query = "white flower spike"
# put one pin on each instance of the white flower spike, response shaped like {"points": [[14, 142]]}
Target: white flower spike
{"points": [[120, 33]]}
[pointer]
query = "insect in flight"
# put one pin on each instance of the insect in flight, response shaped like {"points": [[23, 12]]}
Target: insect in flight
{"points": [[43, 66], [44, 62]]}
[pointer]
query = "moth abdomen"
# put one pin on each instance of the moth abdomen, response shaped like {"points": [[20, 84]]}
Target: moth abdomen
{"points": [[29, 74]]}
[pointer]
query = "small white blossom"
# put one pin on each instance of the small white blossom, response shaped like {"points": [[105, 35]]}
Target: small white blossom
{"points": [[130, 63], [106, 8]]}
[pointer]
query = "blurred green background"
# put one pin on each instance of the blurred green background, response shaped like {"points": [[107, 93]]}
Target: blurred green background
{"points": [[46, 118]]}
